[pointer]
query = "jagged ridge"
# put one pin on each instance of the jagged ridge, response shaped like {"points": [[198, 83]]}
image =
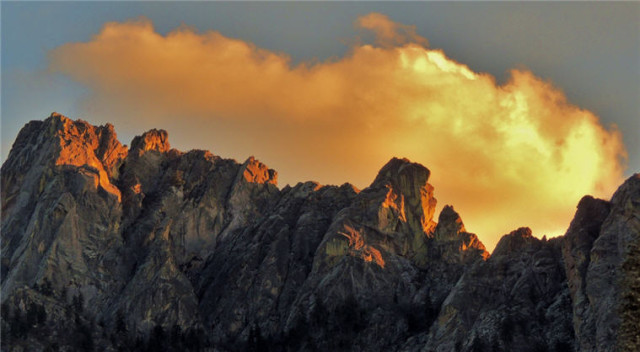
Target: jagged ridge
{"points": [[147, 240]]}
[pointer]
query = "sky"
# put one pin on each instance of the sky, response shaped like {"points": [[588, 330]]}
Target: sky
{"points": [[518, 109]]}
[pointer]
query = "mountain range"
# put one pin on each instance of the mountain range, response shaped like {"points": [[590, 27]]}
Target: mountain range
{"points": [[113, 248]]}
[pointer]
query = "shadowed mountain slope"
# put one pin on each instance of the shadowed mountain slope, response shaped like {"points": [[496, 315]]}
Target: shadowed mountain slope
{"points": [[111, 248]]}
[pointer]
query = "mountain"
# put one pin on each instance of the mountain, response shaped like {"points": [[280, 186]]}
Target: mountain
{"points": [[110, 248]]}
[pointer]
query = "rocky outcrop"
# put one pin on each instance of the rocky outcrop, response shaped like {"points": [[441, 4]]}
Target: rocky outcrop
{"points": [[153, 248], [601, 260], [364, 271], [582, 232], [256, 276], [60, 209], [517, 300], [153, 140]]}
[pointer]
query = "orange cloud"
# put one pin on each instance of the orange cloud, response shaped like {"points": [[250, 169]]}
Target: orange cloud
{"points": [[387, 32], [504, 155]]}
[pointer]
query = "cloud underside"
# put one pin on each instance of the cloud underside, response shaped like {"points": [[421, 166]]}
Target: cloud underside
{"points": [[504, 155]]}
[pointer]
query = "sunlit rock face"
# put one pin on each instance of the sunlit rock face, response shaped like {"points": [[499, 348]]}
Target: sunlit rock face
{"points": [[61, 210], [156, 140], [136, 248]]}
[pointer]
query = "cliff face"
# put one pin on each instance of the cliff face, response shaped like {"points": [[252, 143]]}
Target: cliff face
{"points": [[114, 248]]}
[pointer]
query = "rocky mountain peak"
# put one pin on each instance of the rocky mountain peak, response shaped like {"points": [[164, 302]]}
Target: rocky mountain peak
{"points": [[452, 242], [81, 143], [56, 119], [59, 143], [110, 151], [407, 193], [626, 203], [212, 250], [254, 171], [403, 174], [156, 140], [590, 214], [450, 222], [628, 195], [514, 241]]}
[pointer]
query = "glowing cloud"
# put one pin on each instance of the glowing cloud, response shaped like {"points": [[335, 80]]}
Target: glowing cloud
{"points": [[387, 32], [504, 155]]}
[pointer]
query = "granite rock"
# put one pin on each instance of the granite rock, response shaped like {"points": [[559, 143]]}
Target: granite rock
{"points": [[151, 248]]}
